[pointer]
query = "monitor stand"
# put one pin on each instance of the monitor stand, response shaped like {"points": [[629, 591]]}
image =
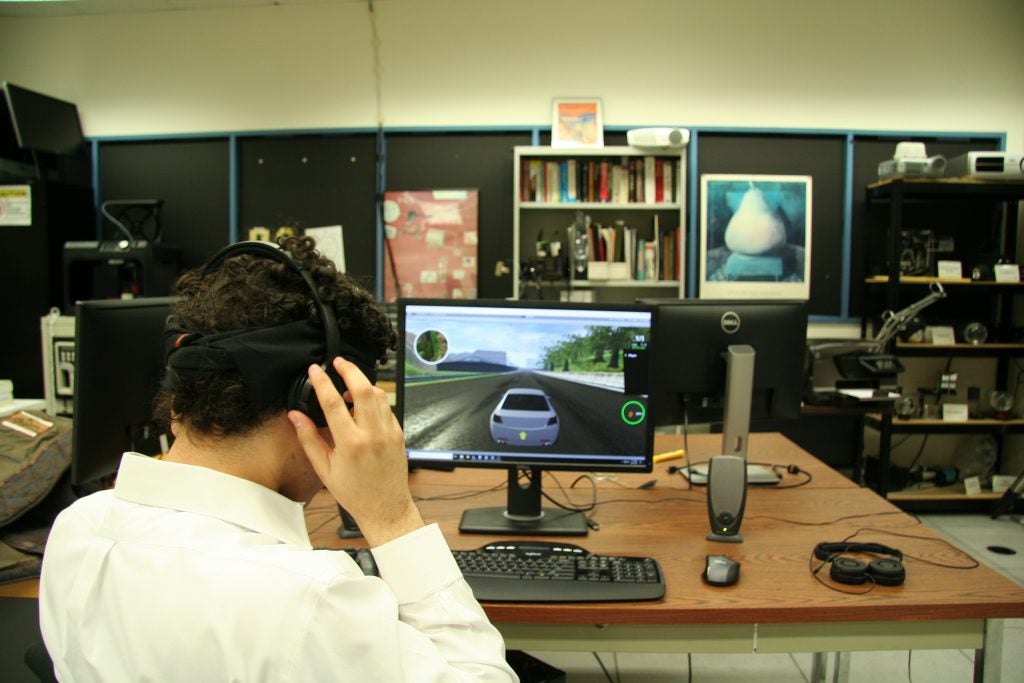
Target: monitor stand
{"points": [[727, 476], [524, 514]]}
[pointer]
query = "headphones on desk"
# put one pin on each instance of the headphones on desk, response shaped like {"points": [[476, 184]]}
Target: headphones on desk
{"points": [[268, 357], [882, 571]]}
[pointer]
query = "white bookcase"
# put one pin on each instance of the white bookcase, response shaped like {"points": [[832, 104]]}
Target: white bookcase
{"points": [[643, 203]]}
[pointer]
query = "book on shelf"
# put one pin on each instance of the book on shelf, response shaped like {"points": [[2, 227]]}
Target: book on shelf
{"points": [[625, 180], [638, 258]]}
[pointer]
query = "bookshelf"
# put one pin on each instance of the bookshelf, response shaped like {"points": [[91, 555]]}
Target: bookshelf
{"points": [[629, 202]]}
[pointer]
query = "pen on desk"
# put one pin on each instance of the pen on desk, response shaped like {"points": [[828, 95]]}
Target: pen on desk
{"points": [[669, 455]]}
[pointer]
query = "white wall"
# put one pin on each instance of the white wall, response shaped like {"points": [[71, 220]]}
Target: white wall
{"points": [[915, 65]]}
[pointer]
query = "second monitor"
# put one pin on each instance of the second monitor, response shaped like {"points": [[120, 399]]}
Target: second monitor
{"points": [[690, 361]]}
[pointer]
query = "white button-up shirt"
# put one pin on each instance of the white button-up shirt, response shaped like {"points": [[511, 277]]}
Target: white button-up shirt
{"points": [[182, 573]]}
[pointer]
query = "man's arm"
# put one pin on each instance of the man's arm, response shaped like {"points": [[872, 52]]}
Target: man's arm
{"points": [[439, 631]]}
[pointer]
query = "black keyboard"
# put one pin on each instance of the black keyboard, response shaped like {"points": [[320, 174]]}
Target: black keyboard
{"points": [[543, 571]]}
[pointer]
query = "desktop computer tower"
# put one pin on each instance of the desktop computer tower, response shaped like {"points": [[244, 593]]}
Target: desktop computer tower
{"points": [[58, 354], [31, 274]]}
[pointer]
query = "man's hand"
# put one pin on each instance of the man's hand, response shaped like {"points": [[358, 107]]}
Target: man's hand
{"points": [[366, 470]]}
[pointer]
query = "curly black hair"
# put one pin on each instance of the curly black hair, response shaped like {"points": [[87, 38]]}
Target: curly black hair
{"points": [[248, 291]]}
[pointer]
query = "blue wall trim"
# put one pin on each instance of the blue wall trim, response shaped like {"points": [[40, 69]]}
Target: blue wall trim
{"points": [[381, 185], [844, 306], [693, 232], [233, 190]]}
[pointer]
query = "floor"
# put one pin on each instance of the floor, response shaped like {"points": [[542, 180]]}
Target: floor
{"points": [[975, 533]]}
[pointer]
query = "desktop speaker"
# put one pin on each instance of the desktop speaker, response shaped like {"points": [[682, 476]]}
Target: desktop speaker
{"points": [[727, 496], [661, 138]]}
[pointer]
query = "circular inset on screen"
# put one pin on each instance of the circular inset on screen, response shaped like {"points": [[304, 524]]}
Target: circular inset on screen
{"points": [[633, 412], [431, 346]]}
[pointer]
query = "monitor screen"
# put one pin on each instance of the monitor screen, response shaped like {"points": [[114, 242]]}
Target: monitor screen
{"points": [[689, 361], [43, 123], [119, 360], [527, 386]]}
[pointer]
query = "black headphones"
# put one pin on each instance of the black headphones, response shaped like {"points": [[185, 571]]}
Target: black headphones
{"points": [[301, 395], [884, 571]]}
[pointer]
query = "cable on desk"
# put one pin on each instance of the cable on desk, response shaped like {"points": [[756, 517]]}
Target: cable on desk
{"points": [[775, 467], [464, 494], [943, 541], [571, 507], [826, 523]]}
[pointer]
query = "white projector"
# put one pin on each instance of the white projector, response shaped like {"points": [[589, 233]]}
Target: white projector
{"points": [[931, 167], [990, 165], [659, 138]]}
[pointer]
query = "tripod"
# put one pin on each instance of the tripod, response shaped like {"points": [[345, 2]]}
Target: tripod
{"points": [[1010, 497]]}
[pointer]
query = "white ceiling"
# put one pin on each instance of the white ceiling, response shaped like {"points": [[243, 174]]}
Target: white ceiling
{"points": [[50, 8]]}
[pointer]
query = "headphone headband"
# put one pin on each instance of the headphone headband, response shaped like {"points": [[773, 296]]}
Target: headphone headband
{"points": [[262, 355], [824, 551], [277, 253]]}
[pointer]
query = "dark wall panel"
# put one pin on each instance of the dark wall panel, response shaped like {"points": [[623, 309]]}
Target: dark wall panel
{"points": [[822, 158], [311, 181], [465, 160], [191, 176]]}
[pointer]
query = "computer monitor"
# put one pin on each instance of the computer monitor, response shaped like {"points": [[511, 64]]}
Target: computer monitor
{"points": [[43, 123], [119, 362], [693, 337], [526, 386]]}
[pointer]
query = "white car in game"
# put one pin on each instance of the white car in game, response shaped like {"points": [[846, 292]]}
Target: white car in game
{"points": [[524, 417]]}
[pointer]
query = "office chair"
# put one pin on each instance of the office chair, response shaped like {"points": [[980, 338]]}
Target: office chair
{"points": [[38, 661]]}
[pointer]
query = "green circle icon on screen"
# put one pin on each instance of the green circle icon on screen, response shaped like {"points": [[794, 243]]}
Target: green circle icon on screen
{"points": [[633, 412]]}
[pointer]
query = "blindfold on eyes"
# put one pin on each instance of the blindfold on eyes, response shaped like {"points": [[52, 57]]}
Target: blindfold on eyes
{"points": [[267, 358]]}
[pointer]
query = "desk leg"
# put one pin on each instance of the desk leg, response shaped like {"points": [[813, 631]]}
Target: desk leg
{"points": [[988, 661], [819, 667], [884, 444], [842, 672]]}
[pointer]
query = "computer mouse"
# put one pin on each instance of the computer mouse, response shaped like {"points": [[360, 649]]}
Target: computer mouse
{"points": [[721, 570]]}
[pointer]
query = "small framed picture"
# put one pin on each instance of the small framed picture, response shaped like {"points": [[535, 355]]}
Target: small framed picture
{"points": [[577, 123]]}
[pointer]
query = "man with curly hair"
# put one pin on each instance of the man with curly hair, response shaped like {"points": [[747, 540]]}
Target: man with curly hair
{"points": [[197, 566]]}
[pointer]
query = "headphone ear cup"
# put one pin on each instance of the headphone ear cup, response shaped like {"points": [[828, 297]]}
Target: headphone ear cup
{"points": [[848, 570], [887, 571], [302, 397]]}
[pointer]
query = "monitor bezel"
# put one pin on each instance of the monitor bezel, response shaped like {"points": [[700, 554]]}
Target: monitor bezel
{"points": [[16, 98], [562, 465], [665, 415], [86, 465]]}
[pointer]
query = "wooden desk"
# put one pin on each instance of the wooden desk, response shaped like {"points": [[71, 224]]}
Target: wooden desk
{"points": [[777, 606]]}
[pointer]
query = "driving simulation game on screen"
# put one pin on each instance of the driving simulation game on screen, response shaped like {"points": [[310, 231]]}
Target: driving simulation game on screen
{"points": [[525, 383]]}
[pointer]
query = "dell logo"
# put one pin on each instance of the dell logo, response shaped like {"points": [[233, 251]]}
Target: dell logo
{"points": [[730, 322]]}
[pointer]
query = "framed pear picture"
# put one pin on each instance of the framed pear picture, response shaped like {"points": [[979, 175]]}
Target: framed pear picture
{"points": [[755, 236]]}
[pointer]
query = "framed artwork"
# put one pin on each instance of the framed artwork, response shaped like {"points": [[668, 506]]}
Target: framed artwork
{"points": [[577, 123], [755, 237], [431, 245]]}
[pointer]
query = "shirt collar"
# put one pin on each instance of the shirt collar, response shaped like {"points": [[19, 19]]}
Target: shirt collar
{"points": [[191, 488]]}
